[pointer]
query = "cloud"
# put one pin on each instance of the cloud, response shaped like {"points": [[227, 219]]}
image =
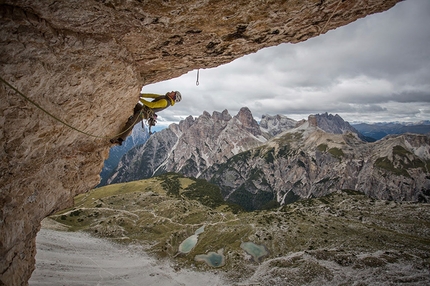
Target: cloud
{"points": [[377, 68]]}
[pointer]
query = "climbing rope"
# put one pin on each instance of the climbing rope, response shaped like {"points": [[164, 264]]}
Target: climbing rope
{"points": [[61, 121], [334, 11], [137, 118]]}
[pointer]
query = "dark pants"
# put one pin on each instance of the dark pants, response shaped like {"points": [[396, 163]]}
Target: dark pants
{"points": [[140, 113]]}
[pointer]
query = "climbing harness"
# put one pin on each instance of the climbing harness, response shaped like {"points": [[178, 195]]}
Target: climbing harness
{"points": [[151, 119], [334, 11], [151, 122], [197, 81], [58, 119]]}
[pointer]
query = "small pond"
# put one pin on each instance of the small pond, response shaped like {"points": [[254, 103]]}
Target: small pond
{"points": [[200, 230], [212, 258], [258, 252], [188, 244]]}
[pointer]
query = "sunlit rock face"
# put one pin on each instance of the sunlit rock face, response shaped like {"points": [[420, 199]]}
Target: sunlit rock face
{"points": [[86, 61]]}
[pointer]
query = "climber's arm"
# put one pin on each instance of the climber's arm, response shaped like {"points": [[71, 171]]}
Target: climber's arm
{"points": [[154, 104], [149, 95]]}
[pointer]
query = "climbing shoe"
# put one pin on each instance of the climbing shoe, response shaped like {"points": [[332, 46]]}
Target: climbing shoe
{"points": [[117, 141]]}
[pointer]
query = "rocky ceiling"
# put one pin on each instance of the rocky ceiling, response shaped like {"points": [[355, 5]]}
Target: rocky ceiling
{"points": [[85, 62]]}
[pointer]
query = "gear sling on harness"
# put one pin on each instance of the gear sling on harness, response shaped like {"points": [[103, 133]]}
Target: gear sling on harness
{"points": [[142, 112]]}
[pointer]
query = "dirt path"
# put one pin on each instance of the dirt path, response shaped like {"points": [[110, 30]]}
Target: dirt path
{"points": [[70, 258]]}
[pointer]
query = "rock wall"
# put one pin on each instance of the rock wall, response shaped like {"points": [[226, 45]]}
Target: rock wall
{"points": [[86, 61]]}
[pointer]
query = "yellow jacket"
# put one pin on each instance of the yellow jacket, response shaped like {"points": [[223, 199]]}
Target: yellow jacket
{"points": [[159, 102]]}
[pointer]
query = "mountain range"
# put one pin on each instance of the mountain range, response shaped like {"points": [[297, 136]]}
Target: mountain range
{"points": [[280, 160], [138, 136], [377, 131]]}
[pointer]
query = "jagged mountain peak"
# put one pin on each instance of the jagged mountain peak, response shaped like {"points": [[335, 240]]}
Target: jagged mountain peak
{"points": [[276, 124], [332, 123], [224, 116], [114, 48], [309, 162], [216, 115], [245, 117], [306, 158], [185, 124], [194, 145], [205, 114]]}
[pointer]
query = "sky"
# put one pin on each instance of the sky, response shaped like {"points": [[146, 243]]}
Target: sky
{"points": [[376, 69]]}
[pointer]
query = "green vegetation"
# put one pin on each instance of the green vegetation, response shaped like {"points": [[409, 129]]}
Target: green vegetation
{"points": [[269, 156], [322, 147], [291, 197], [170, 183], [237, 159], [255, 174], [285, 151], [406, 162], [289, 137], [206, 193], [242, 197], [336, 152], [189, 167], [399, 150], [265, 201], [332, 229], [241, 157], [386, 164], [402, 161]]}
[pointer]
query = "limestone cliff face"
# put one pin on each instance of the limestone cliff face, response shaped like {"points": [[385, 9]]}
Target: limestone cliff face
{"points": [[257, 169], [307, 162], [191, 147], [274, 125], [86, 61]]}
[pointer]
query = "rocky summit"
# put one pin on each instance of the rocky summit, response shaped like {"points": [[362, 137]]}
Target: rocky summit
{"points": [[192, 146], [85, 62], [281, 160], [307, 162]]}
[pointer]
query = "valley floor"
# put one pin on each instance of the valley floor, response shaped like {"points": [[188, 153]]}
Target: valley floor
{"points": [[344, 238], [76, 258]]}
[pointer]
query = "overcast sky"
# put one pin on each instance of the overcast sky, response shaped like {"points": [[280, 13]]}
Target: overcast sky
{"points": [[375, 69]]}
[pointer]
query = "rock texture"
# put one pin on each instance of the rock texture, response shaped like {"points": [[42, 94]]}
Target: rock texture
{"points": [[192, 146], [86, 61], [337, 239], [307, 162], [334, 124], [317, 157], [274, 125]]}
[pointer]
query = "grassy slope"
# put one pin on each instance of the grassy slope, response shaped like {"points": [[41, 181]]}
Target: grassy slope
{"points": [[315, 238]]}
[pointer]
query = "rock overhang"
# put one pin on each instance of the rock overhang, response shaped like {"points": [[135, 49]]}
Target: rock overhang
{"points": [[86, 61]]}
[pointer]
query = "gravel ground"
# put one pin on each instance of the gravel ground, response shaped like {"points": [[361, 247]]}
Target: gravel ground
{"points": [[75, 258]]}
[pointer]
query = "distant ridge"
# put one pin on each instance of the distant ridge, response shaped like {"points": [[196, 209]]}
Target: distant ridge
{"points": [[280, 160], [379, 130], [137, 137]]}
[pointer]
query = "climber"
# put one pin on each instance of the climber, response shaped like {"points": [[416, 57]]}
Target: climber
{"points": [[146, 110]]}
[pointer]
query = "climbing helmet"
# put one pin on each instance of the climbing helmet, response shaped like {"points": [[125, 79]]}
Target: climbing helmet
{"points": [[178, 96]]}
